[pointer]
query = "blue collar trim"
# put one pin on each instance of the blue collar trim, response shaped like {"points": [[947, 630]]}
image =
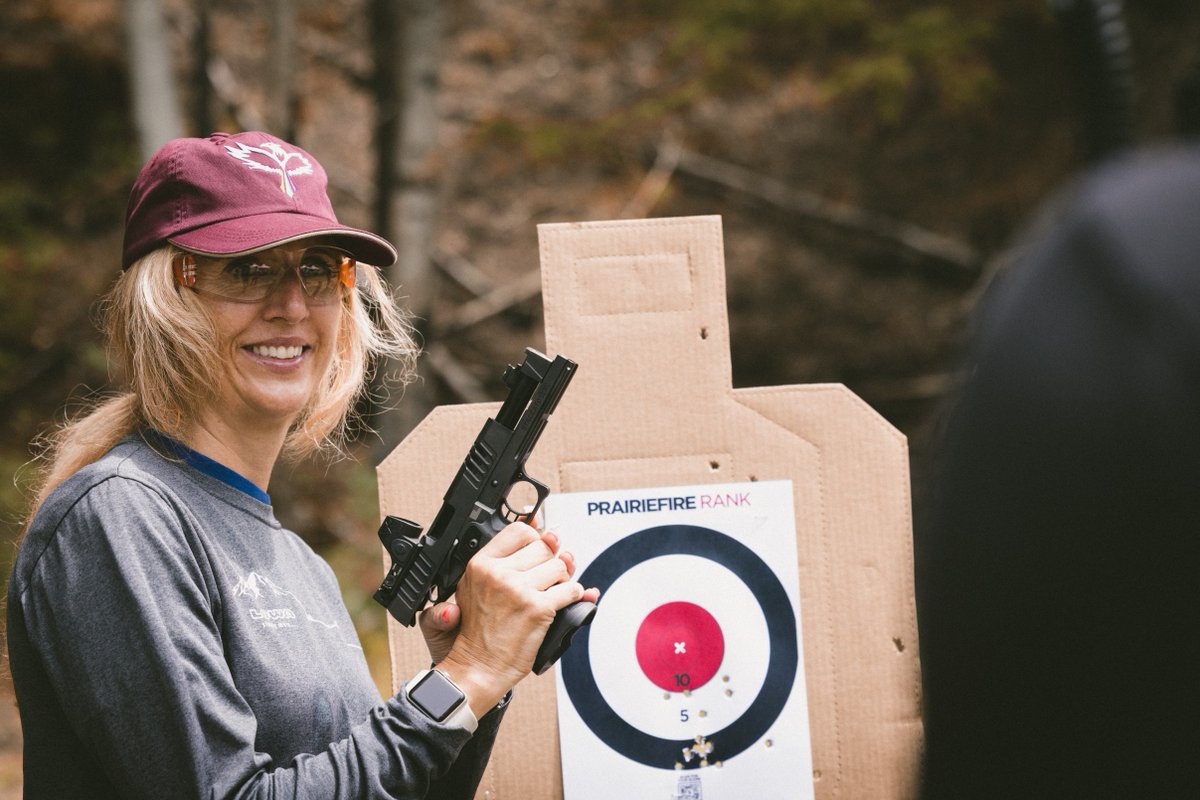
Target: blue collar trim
{"points": [[214, 469]]}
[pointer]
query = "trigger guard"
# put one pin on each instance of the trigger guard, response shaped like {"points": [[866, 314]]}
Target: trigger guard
{"points": [[511, 514]]}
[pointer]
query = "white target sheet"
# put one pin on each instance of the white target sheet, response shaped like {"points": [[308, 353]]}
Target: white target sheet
{"points": [[689, 682]]}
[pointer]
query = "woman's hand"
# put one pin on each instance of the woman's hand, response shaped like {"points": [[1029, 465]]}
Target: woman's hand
{"points": [[506, 600]]}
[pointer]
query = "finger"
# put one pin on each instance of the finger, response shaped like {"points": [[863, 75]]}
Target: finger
{"points": [[561, 595], [512, 538], [568, 558], [439, 625], [531, 555], [532, 520], [440, 618], [548, 573], [551, 540]]}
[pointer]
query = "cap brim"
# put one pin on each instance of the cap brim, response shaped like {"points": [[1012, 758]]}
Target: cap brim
{"points": [[237, 237]]}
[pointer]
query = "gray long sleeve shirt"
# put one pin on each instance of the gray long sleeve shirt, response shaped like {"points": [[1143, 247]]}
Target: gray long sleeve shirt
{"points": [[168, 638]]}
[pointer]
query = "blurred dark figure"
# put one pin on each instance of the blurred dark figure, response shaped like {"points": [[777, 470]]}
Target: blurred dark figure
{"points": [[1058, 567]]}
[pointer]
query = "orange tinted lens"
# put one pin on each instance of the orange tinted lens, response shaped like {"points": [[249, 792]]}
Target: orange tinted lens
{"points": [[322, 271]]}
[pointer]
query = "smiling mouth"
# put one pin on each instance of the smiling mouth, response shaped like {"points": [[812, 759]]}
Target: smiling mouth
{"points": [[279, 353]]}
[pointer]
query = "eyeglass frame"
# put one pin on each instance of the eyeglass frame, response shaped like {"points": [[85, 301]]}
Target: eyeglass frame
{"points": [[184, 267]]}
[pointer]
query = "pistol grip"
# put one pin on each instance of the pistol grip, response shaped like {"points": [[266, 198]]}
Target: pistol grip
{"points": [[558, 638]]}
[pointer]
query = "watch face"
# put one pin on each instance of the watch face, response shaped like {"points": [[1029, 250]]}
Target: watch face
{"points": [[436, 695]]}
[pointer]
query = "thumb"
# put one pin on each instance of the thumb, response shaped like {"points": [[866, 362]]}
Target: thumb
{"points": [[440, 618], [439, 624]]}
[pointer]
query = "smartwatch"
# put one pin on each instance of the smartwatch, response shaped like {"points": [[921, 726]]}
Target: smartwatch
{"points": [[438, 698]]}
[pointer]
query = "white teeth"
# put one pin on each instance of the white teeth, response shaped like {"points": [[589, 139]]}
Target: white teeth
{"points": [[277, 352]]}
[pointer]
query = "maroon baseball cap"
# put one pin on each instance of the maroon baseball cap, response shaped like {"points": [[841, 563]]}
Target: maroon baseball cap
{"points": [[232, 194]]}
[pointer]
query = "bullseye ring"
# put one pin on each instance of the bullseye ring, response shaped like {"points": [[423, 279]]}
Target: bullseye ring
{"points": [[679, 646], [782, 662]]}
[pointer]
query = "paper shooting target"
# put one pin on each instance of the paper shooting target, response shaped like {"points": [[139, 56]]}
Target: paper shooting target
{"points": [[680, 647], [692, 670]]}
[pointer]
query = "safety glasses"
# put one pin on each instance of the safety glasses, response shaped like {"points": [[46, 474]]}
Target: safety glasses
{"points": [[325, 273]]}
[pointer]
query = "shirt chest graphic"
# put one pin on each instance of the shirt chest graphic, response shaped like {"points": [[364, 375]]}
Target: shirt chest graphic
{"points": [[270, 605]]}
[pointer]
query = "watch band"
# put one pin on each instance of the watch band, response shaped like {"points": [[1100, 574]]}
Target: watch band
{"points": [[432, 691]]}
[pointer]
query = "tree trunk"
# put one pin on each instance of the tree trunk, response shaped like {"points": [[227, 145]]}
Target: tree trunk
{"points": [[1100, 63], [202, 94], [281, 93], [409, 52], [152, 80]]}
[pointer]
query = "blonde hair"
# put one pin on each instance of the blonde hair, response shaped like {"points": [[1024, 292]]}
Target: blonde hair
{"points": [[164, 345]]}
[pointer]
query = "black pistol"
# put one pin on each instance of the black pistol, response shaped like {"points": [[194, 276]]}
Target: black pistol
{"points": [[475, 507]]}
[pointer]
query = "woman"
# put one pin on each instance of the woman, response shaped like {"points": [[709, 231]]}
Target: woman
{"points": [[168, 638]]}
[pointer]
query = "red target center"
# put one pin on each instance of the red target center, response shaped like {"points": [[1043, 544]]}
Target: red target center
{"points": [[680, 646]]}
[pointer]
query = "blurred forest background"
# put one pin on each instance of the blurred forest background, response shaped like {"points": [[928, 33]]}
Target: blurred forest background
{"points": [[872, 161]]}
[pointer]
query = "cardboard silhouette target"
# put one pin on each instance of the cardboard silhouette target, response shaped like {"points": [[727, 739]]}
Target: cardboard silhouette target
{"points": [[640, 305]]}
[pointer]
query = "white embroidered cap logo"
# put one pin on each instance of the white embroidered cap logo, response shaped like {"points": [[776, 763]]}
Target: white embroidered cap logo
{"points": [[279, 159]]}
